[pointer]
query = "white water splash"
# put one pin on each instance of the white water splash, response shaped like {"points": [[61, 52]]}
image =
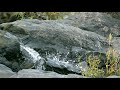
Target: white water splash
{"points": [[55, 58], [55, 61], [30, 53]]}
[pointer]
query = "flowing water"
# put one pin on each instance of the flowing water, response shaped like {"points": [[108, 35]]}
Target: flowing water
{"points": [[30, 53], [53, 61]]}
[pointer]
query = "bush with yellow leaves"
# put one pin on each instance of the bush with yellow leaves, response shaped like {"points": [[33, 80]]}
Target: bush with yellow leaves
{"points": [[112, 64]]}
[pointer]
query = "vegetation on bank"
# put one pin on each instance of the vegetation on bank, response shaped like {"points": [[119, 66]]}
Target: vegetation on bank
{"points": [[112, 64], [13, 16]]}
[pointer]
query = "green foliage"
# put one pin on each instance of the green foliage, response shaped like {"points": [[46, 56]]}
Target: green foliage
{"points": [[113, 61], [93, 71], [12, 16], [112, 64]]}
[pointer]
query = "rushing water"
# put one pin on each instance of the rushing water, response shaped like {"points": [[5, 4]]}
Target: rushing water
{"points": [[52, 60], [30, 53]]}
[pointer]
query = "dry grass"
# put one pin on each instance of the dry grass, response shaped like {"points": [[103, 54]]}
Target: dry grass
{"points": [[112, 64]]}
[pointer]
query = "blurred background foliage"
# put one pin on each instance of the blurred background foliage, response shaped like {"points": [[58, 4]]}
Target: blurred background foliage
{"points": [[13, 16]]}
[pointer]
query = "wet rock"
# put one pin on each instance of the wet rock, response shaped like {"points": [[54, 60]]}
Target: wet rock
{"points": [[32, 73], [61, 67], [4, 61], [32, 58], [9, 49], [54, 36], [5, 72], [12, 54], [9, 45]]}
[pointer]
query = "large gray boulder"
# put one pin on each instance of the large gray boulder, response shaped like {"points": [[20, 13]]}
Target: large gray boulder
{"points": [[100, 23], [4, 61], [50, 36], [54, 36], [9, 45], [9, 50], [61, 67], [5, 72], [12, 54], [32, 73]]}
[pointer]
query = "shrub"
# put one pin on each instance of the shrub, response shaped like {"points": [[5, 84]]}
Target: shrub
{"points": [[93, 71], [112, 64]]}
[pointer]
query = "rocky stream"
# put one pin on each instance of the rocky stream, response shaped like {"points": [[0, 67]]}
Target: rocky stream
{"points": [[32, 48]]}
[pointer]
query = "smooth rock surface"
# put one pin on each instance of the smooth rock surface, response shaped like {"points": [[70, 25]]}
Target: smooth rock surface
{"points": [[100, 23], [53, 36], [5, 72], [32, 73]]}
